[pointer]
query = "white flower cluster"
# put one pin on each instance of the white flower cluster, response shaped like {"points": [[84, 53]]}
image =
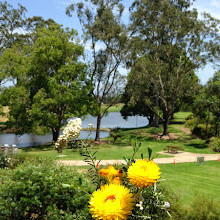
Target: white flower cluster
{"points": [[71, 131], [140, 205]]}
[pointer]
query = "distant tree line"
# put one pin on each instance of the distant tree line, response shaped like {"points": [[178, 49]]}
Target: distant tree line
{"points": [[163, 45]]}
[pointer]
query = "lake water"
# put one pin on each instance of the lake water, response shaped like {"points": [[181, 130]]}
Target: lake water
{"points": [[112, 120]]}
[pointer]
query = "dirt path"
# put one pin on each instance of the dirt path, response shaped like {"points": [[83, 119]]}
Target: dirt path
{"points": [[180, 157]]}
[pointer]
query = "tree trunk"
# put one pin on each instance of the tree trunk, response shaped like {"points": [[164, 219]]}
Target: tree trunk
{"points": [[97, 137], [55, 132], [165, 123], [172, 116], [155, 121], [150, 119]]}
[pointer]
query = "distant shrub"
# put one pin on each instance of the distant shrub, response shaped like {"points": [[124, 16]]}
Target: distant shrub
{"points": [[199, 129], [204, 208], [201, 208], [191, 122], [215, 144], [43, 190]]}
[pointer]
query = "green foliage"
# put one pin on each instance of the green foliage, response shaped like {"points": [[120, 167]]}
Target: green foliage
{"points": [[4, 160], [90, 158], [135, 147], [11, 19], [215, 144], [204, 208], [41, 189], [153, 206], [201, 208], [51, 83], [205, 121], [163, 63], [11, 161]]}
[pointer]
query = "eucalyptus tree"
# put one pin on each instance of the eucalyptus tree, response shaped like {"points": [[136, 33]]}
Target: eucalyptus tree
{"points": [[176, 42], [12, 21], [102, 26]]}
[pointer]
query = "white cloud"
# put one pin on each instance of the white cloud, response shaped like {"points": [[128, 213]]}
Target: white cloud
{"points": [[215, 3], [212, 7]]}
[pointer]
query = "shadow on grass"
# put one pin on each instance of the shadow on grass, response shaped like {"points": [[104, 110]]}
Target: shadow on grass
{"points": [[177, 122], [44, 147], [198, 146]]}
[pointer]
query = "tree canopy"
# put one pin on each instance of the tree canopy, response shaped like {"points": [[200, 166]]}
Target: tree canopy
{"points": [[169, 43], [51, 82]]}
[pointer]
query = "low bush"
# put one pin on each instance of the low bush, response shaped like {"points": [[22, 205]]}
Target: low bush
{"points": [[12, 160], [4, 161], [201, 208], [43, 190], [215, 144]]}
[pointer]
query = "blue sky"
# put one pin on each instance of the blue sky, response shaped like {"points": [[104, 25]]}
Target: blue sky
{"points": [[55, 9]]}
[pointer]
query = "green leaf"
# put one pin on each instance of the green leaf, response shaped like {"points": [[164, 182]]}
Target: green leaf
{"points": [[149, 153]]}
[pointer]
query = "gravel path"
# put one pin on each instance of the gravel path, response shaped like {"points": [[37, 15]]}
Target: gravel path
{"points": [[180, 157]]}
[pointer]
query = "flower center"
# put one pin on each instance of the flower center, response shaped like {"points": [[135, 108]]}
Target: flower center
{"points": [[111, 197]]}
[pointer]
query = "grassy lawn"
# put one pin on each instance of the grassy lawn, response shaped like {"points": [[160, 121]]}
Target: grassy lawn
{"points": [[114, 108], [123, 146], [188, 179]]}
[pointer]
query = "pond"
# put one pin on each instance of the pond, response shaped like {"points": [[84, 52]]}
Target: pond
{"points": [[112, 120]]}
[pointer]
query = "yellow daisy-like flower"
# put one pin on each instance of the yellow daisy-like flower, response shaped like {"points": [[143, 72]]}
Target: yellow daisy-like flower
{"points": [[111, 202], [143, 173], [110, 173]]}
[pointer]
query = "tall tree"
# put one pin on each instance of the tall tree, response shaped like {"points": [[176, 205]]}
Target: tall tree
{"points": [[176, 42], [102, 26], [55, 82], [12, 21]]}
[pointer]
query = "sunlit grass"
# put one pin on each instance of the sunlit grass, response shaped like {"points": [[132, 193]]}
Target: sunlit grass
{"points": [[189, 179], [123, 145]]}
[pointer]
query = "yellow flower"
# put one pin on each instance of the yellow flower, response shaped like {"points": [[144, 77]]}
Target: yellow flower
{"points": [[143, 173], [116, 180], [111, 202], [110, 173]]}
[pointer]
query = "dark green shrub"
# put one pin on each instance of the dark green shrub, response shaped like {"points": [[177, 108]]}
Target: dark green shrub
{"points": [[215, 144], [43, 190], [199, 129]]}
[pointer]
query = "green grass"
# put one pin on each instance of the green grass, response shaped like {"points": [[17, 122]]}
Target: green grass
{"points": [[189, 179], [123, 146], [114, 108]]}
